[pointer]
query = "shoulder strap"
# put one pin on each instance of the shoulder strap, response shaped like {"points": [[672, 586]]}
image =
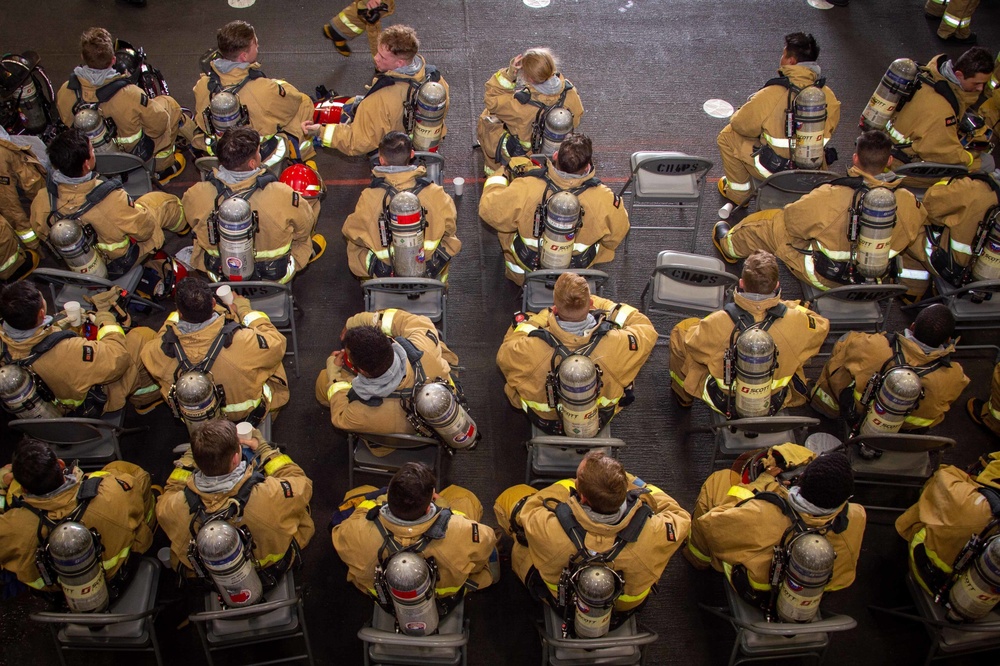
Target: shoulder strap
{"points": [[109, 90], [775, 499], [921, 370], [985, 178], [215, 83], [741, 318], [88, 489], [44, 346], [993, 497], [853, 182], [782, 81], [571, 526], [381, 81], [94, 197]]}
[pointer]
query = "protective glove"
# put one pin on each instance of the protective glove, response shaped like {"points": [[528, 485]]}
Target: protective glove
{"points": [[111, 301], [788, 457], [517, 167], [242, 305], [989, 164]]}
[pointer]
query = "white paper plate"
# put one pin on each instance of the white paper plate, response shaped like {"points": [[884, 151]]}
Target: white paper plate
{"points": [[718, 108], [537, 4], [241, 4], [819, 4]]}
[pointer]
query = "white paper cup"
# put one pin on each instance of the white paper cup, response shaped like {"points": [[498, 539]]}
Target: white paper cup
{"points": [[225, 294], [244, 430], [74, 313], [459, 184], [725, 211]]}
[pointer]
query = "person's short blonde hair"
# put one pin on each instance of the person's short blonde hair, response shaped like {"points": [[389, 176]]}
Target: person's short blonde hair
{"points": [[760, 273], [602, 481], [571, 295], [97, 48], [538, 65], [400, 40]]}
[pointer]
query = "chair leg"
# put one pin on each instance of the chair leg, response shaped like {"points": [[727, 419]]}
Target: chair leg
{"points": [[156, 644], [305, 632], [735, 652]]}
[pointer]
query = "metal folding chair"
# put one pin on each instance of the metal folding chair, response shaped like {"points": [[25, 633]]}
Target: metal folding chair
{"points": [[856, 307], [419, 296], [928, 170], [906, 461], [555, 457], [536, 294], [278, 303], [128, 625], [760, 640], [621, 646], [94, 442], [973, 306], [74, 286], [397, 450], [136, 175], [667, 179], [686, 284], [735, 437], [785, 187], [448, 647], [433, 162], [279, 618]]}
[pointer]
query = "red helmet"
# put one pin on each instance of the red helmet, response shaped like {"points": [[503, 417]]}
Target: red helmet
{"points": [[304, 180], [328, 111]]}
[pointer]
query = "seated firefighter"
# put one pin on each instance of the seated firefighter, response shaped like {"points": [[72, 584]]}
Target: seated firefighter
{"points": [[757, 142], [856, 382], [127, 119], [247, 225], [603, 521], [52, 505], [390, 359], [66, 373], [404, 225], [521, 102], [91, 222], [736, 530], [766, 340], [267, 496], [986, 413], [581, 341], [22, 176], [388, 527], [211, 361], [951, 525], [558, 215], [16, 261], [834, 235], [406, 95], [234, 92]]}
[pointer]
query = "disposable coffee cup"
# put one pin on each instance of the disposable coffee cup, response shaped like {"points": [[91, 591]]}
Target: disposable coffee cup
{"points": [[459, 184], [244, 430], [225, 294], [74, 313], [725, 211]]}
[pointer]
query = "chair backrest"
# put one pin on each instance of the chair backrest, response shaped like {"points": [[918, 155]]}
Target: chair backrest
{"points": [[863, 293], [272, 298], [766, 424], [421, 296], [903, 442], [971, 290], [538, 286], [696, 276], [130, 168], [205, 166], [687, 283], [667, 175], [785, 187], [930, 170], [64, 432], [64, 277], [433, 162]]}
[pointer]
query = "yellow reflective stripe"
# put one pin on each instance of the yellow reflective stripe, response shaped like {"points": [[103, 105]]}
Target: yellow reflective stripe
{"points": [[342, 17], [431, 245], [289, 271], [241, 406], [253, 316], [606, 402], [152, 388], [525, 327], [214, 251], [108, 329], [37, 584], [110, 247], [174, 317], [810, 267], [328, 131], [993, 412], [760, 167], [337, 386], [728, 570], [267, 393], [514, 267], [271, 559], [737, 187], [826, 399], [166, 152], [279, 153], [919, 538], [495, 180], [624, 312], [780, 383], [552, 586], [776, 142], [568, 484], [956, 21], [503, 80], [895, 134], [530, 242], [697, 553], [631, 598], [11, 261], [112, 562], [129, 139], [367, 504], [383, 255], [969, 158], [446, 591], [273, 254], [653, 489], [835, 255], [179, 474], [537, 406], [918, 421], [387, 317], [27, 236], [741, 492], [276, 463], [69, 402]]}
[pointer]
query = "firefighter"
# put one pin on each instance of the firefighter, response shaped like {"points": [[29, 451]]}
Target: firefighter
{"points": [[955, 19], [811, 235], [925, 346], [21, 175], [275, 108], [697, 346], [953, 505], [444, 526], [144, 126], [360, 16], [956, 209], [611, 506], [738, 536], [85, 377], [385, 107], [517, 99], [362, 382], [986, 413], [616, 336], [249, 367], [926, 127], [283, 243], [754, 143], [118, 504], [272, 491], [127, 230], [366, 255], [16, 262], [509, 204]]}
